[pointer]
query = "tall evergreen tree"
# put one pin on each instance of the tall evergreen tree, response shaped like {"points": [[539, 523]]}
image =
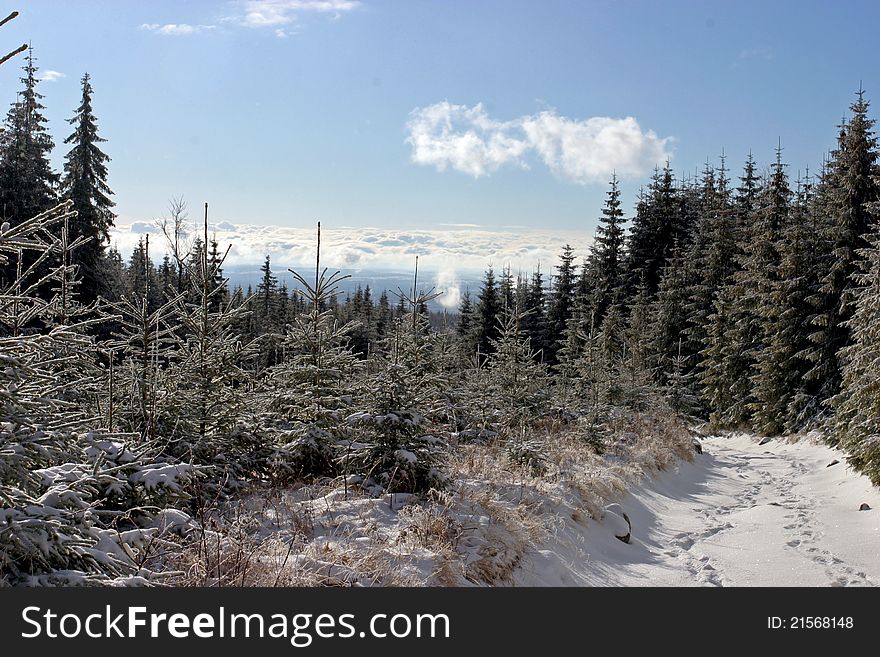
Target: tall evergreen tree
{"points": [[266, 292], [507, 292], [534, 321], [384, 317], [775, 373], [607, 253], [847, 197], [488, 314], [857, 406], [710, 251], [656, 228], [562, 303], [220, 291], [669, 347], [142, 279], [729, 352], [85, 183], [28, 185], [465, 316]]}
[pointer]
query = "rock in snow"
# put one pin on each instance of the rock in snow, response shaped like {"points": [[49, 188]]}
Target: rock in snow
{"points": [[865, 507], [834, 462], [618, 521]]}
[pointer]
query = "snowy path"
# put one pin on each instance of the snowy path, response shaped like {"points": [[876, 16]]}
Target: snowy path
{"points": [[742, 514]]}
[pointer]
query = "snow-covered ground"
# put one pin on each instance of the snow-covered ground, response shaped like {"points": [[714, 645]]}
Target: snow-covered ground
{"points": [[782, 513], [741, 514], [496, 514]]}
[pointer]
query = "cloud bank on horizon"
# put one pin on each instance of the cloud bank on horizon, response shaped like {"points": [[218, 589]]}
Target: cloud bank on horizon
{"points": [[446, 255], [468, 140]]}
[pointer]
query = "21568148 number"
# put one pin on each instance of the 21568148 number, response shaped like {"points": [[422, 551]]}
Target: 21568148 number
{"points": [[810, 622]]}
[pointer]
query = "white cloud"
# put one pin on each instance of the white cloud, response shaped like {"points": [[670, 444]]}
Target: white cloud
{"points": [[463, 138], [590, 150], [176, 29], [468, 140], [274, 13], [52, 76]]}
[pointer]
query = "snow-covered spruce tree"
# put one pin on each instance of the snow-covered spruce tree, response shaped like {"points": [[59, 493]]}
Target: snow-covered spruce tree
{"points": [[141, 277], [452, 365], [65, 485], [515, 380], [737, 339], [668, 339], [635, 379], [802, 273], [394, 450], [782, 397], [569, 387], [607, 254], [680, 387], [473, 404], [656, 228], [715, 378], [724, 376], [143, 341], [710, 254], [612, 349], [534, 323], [583, 379], [28, 185], [206, 417], [506, 293], [857, 406], [488, 310], [847, 198], [85, 183], [561, 304], [312, 390], [465, 329], [774, 346], [219, 284], [360, 311]]}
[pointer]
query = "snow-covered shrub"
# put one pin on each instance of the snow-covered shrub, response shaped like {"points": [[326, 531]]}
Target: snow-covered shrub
{"points": [[65, 483], [592, 428], [529, 454], [501, 394], [396, 449], [516, 379], [399, 457], [309, 393], [186, 378], [311, 452]]}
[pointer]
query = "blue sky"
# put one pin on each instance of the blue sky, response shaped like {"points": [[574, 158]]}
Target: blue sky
{"points": [[280, 112]]}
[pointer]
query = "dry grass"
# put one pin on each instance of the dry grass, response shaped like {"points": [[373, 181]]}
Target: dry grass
{"points": [[477, 533]]}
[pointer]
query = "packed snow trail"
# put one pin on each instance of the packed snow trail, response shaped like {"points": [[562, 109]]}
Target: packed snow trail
{"points": [[742, 514]]}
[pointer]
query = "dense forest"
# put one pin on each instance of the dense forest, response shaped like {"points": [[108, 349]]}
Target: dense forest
{"points": [[130, 391]]}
